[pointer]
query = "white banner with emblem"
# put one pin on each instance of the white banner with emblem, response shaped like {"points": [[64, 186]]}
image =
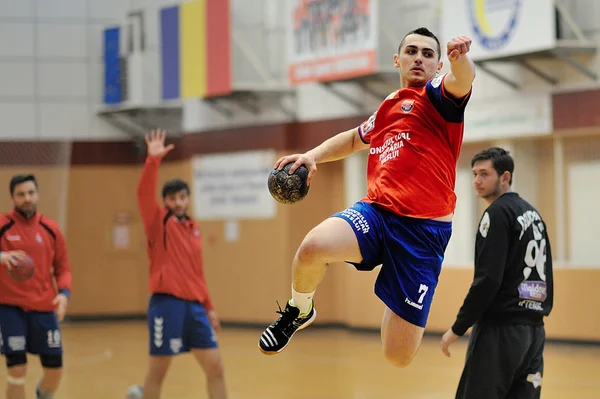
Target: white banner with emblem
{"points": [[233, 186], [500, 28]]}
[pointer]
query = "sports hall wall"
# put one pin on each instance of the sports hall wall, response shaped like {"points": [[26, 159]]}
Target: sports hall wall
{"points": [[88, 172]]}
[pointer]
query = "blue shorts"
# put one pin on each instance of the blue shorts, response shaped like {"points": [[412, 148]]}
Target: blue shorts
{"points": [[177, 325], [34, 332], [410, 251]]}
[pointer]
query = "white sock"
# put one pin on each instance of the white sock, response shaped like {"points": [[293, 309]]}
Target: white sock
{"points": [[302, 300]]}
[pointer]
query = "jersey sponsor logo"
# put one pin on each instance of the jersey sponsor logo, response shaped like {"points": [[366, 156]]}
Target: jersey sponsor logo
{"points": [[531, 305], [358, 220], [407, 106], [13, 238], [484, 225], [414, 305], [390, 148], [535, 290]]}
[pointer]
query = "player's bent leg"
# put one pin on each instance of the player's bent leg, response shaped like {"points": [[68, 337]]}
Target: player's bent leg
{"points": [[401, 340], [333, 240], [158, 366], [16, 364], [212, 364], [413, 254]]}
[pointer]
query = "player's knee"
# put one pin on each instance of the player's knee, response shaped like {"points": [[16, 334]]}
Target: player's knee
{"points": [[215, 370], [313, 248], [398, 357], [16, 362], [17, 368], [158, 368], [51, 361]]}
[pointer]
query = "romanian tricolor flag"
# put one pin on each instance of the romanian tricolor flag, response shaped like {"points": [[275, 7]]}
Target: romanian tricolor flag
{"points": [[195, 49]]}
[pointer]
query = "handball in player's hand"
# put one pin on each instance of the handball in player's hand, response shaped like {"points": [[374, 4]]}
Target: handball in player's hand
{"points": [[21, 268], [289, 188]]}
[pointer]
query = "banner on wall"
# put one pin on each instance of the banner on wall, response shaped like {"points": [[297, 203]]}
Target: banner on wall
{"points": [[330, 40], [500, 28], [233, 186], [528, 114]]}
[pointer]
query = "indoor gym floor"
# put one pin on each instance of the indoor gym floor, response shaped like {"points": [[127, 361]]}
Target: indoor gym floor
{"points": [[103, 359]]}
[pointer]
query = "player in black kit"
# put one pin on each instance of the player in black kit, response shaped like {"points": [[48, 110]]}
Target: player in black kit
{"points": [[511, 293]]}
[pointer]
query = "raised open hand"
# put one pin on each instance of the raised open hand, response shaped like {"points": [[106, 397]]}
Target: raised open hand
{"points": [[155, 143]]}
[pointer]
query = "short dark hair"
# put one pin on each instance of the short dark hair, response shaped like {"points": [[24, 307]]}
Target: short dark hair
{"points": [[423, 32], [501, 159], [174, 186], [20, 179]]}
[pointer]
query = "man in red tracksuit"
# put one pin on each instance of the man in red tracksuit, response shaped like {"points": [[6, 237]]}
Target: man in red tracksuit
{"points": [[30, 310], [181, 316]]}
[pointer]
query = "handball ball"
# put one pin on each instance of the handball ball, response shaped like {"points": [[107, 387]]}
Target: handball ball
{"points": [[23, 269], [286, 188]]}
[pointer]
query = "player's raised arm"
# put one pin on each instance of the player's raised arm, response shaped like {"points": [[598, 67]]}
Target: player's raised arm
{"points": [[462, 70], [146, 190]]}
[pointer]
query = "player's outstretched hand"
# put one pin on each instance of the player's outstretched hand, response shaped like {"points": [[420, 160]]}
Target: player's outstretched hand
{"points": [[10, 258], [457, 47], [155, 143], [299, 159]]}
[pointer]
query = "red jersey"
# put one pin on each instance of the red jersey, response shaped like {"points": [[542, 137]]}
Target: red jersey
{"points": [[40, 238], [174, 245], [415, 138]]}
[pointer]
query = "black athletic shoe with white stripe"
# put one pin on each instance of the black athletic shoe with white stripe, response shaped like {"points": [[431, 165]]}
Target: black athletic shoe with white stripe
{"points": [[277, 336]]}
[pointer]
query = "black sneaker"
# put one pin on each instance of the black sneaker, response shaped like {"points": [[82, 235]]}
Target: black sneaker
{"points": [[277, 336]]}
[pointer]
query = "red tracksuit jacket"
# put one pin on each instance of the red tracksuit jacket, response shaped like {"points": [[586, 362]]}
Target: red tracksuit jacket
{"points": [[174, 246], [41, 238]]}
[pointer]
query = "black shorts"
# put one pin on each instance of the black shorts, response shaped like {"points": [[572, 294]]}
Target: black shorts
{"points": [[503, 362]]}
